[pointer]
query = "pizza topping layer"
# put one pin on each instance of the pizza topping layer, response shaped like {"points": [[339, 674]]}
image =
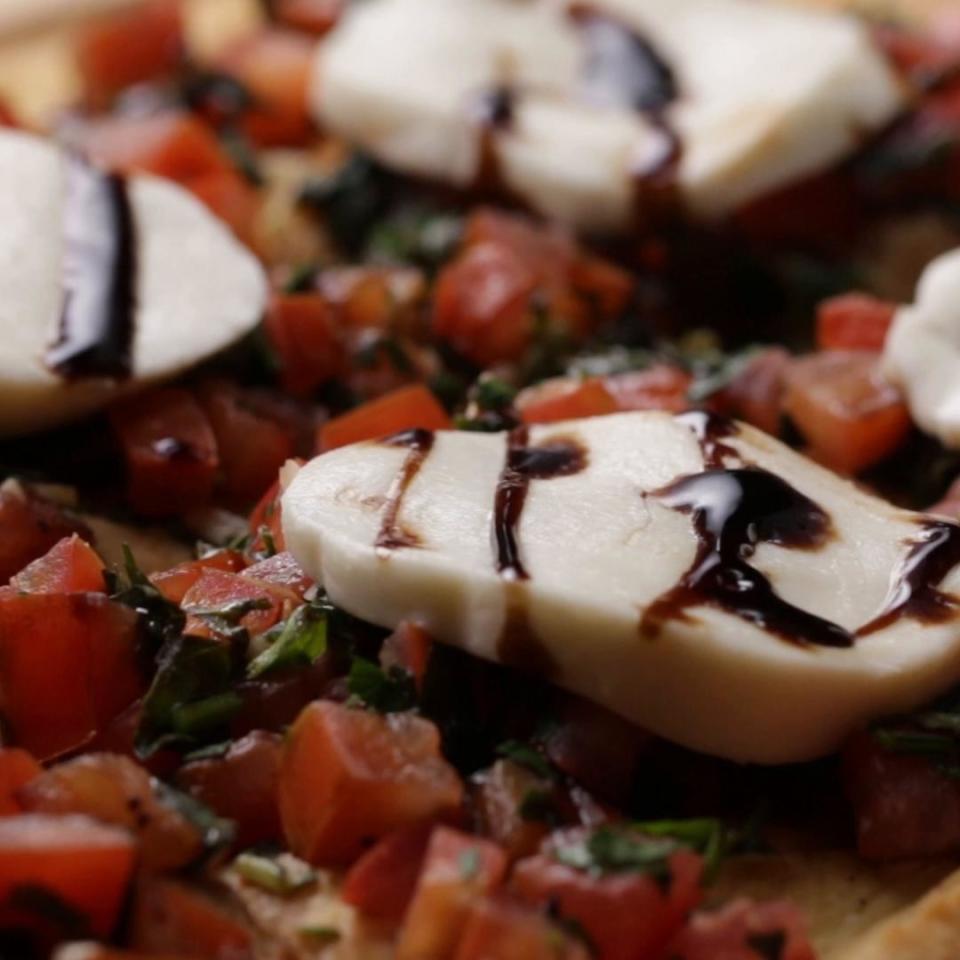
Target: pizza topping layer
{"points": [[632, 564], [107, 284], [605, 96]]}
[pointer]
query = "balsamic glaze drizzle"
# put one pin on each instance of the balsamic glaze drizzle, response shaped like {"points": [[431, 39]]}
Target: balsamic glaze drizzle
{"points": [[99, 276], [914, 593], [733, 510], [492, 111], [558, 457], [392, 535]]}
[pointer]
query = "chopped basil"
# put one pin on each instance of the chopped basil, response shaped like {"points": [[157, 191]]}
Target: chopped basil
{"points": [[282, 874], [320, 936], [527, 756], [416, 236], [225, 620], [489, 406], [191, 672], [161, 620], [216, 833], [387, 691], [296, 643], [933, 733]]}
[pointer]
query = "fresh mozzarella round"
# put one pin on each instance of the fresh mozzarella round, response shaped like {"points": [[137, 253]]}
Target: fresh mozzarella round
{"points": [[922, 350], [766, 94], [196, 289], [397, 532]]}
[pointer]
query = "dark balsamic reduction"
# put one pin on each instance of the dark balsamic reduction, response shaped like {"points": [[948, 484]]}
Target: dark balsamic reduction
{"points": [[624, 69], [733, 510], [558, 457], [932, 554], [392, 535], [493, 111], [99, 275], [710, 430]]}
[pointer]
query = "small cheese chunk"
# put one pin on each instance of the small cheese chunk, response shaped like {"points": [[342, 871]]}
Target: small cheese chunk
{"points": [[196, 289], [757, 95], [922, 350], [728, 594]]}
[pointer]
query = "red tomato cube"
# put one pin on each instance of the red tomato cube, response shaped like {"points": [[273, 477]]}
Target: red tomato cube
{"points": [[854, 321], [17, 768], [302, 332], [70, 566]]}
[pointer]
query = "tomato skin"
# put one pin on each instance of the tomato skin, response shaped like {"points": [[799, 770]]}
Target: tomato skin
{"points": [[175, 582], [736, 932], [499, 794], [498, 927], [281, 570], [756, 394], [848, 414], [660, 387], [170, 917], [31, 527], [301, 330], [129, 47], [252, 764], [382, 882], [230, 196], [116, 790], [562, 399], [253, 445], [903, 806], [86, 864], [408, 647], [274, 65], [854, 321], [67, 667], [312, 16], [457, 869], [17, 769], [170, 451], [403, 409], [267, 516], [70, 566], [627, 915], [350, 776], [216, 589]]}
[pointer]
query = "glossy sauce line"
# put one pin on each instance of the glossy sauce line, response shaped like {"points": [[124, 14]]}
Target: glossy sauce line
{"points": [[392, 535]]}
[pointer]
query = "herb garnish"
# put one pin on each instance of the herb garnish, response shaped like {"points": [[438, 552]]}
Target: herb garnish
{"points": [[296, 643], [387, 691]]}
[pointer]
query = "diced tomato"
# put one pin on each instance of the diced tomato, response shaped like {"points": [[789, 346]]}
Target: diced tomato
{"points": [[913, 50], [744, 930], [351, 776], [7, 117], [756, 393], [171, 917], [565, 399], [408, 647], [597, 748], [904, 806], [281, 570], [508, 272], [130, 46], [175, 582], [230, 196], [119, 736], [241, 786], [170, 451], [116, 790], [457, 870], [660, 387], [87, 865], [67, 667], [854, 321], [70, 566], [312, 16], [381, 883], [413, 406], [253, 445], [172, 144], [274, 66], [849, 415], [31, 526], [217, 589], [499, 927], [301, 330], [267, 516], [17, 768], [374, 298], [500, 797], [628, 916]]}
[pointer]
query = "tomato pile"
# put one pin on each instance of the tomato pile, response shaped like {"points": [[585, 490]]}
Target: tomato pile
{"points": [[211, 760]]}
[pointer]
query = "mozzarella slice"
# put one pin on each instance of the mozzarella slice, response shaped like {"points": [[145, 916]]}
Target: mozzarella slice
{"points": [[922, 351], [767, 94], [197, 289], [604, 546]]}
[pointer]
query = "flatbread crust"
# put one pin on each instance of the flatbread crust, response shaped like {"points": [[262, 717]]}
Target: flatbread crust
{"points": [[855, 911]]}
